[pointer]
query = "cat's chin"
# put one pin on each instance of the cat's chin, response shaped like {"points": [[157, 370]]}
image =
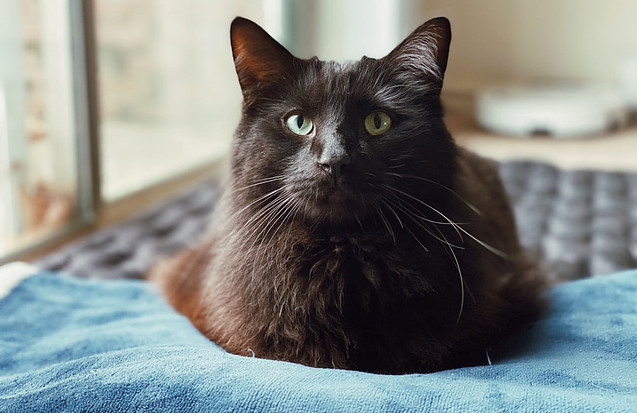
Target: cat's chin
{"points": [[347, 199], [336, 207], [329, 214]]}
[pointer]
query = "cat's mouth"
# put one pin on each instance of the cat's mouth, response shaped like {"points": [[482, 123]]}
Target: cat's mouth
{"points": [[337, 200]]}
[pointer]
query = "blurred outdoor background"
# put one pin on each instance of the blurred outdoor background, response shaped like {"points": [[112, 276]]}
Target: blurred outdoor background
{"points": [[105, 99]]}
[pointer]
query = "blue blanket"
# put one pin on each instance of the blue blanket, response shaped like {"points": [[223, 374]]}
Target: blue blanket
{"points": [[75, 345]]}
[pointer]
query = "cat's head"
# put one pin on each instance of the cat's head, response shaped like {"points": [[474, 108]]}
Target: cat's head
{"points": [[338, 142]]}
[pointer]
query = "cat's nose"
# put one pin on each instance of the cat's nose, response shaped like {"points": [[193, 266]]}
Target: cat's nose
{"points": [[335, 165], [332, 155]]}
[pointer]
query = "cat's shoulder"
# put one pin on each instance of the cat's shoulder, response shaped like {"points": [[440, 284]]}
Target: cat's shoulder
{"points": [[472, 165], [478, 182]]}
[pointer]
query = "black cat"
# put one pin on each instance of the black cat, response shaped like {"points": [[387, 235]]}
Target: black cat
{"points": [[353, 232]]}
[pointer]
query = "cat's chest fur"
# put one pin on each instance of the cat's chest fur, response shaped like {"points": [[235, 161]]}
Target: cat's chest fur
{"points": [[368, 255], [330, 298]]}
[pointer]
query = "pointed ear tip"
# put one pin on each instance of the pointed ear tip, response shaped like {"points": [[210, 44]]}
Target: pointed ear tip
{"points": [[441, 22], [241, 23], [238, 21]]}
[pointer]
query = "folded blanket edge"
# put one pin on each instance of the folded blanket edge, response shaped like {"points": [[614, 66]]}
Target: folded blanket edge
{"points": [[12, 274]]}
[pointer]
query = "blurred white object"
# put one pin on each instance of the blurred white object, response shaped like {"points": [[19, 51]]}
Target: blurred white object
{"points": [[628, 79], [12, 274], [559, 109]]}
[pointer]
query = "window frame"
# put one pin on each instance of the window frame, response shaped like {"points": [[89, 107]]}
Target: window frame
{"points": [[84, 118]]}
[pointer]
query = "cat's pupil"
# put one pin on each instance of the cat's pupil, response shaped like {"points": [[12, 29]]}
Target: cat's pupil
{"points": [[300, 120], [377, 121]]}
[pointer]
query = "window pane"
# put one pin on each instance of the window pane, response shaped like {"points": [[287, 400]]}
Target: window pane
{"points": [[168, 93], [38, 151]]}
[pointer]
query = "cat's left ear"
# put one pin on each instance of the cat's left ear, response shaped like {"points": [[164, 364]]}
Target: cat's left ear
{"points": [[260, 61], [425, 51]]}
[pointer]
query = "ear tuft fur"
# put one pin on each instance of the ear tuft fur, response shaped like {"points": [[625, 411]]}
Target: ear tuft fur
{"points": [[425, 50]]}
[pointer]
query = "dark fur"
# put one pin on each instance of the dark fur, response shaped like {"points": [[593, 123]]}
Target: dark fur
{"points": [[353, 268]]}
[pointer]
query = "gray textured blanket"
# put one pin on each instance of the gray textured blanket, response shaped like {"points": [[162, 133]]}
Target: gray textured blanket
{"points": [[577, 223]]}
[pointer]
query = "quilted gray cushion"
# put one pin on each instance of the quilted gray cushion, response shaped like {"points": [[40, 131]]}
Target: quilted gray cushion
{"points": [[579, 223], [129, 249]]}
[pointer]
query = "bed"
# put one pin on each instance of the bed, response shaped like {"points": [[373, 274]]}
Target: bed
{"points": [[80, 332]]}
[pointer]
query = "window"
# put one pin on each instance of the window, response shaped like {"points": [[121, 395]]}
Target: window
{"points": [[165, 104], [42, 122]]}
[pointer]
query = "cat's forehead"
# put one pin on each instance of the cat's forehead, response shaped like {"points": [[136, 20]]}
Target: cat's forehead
{"points": [[322, 75], [365, 79], [345, 74]]}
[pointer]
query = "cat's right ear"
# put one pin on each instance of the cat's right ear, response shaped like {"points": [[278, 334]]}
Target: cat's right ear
{"points": [[260, 61]]}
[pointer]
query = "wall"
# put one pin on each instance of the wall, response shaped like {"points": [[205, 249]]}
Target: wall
{"points": [[503, 40]]}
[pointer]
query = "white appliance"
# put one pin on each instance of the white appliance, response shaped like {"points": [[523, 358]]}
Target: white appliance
{"points": [[558, 109]]}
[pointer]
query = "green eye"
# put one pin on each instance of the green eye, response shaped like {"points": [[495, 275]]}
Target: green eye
{"points": [[299, 124], [377, 123]]}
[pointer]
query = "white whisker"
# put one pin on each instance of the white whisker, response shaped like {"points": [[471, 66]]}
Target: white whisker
{"points": [[261, 182], [387, 224], [470, 205], [393, 212], [455, 259], [418, 220], [417, 240], [262, 198], [456, 226]]}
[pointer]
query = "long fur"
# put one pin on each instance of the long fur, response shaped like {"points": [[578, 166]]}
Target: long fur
{"points": [[406, 261]]}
